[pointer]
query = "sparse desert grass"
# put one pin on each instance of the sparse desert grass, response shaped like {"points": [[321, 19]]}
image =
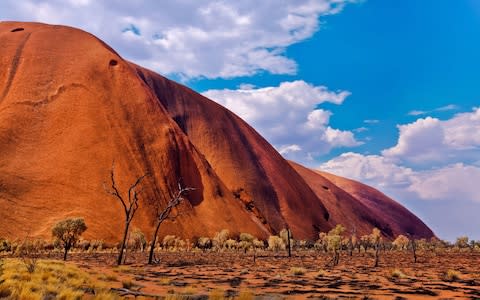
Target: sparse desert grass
{"points": [[451, 275], [107, 277], [190, 290], [50, 279], [297, 271], [175, 297], [231, 275], [216, 294], [398, 274], [164, 281], [321, 273], [127, 284], [245, 295], [123, 269]]}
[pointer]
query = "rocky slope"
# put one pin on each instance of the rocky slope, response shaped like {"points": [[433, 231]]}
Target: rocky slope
{"points": [[71, 107]]}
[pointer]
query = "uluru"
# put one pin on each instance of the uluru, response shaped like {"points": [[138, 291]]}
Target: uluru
{"points": [[71, 109]]}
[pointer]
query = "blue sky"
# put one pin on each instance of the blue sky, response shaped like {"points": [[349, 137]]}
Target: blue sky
{"points": [[385, 92], [395, 57]]}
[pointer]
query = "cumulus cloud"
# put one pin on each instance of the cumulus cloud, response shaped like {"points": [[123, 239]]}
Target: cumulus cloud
{"points": [[442, 175], [373, 169], [456, 182], [445, 145], [192, 38], [430, 140], [288, 116]]}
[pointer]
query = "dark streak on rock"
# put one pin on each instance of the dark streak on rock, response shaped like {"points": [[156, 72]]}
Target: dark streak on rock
{"points": [[14, 66]]}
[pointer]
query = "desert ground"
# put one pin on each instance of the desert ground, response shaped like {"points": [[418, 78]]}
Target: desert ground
{"points": [[444, 274]]}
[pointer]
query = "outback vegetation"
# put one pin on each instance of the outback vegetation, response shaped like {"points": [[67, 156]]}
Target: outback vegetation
{"points": [[237, 265], [234, 265]]}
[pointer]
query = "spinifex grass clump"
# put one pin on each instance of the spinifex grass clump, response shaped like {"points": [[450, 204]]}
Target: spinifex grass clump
{"points": [[50, 279], [397, 274], [451, 275], [297, 271]]}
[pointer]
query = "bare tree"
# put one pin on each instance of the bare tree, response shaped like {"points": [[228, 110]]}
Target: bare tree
{"points": [[130, 206], [164, 214], [30, 250], [413, 245], [376, 240], [352, 241]]}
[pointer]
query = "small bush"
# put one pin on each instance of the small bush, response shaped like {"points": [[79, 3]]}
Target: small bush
{"points": [[451, 275], [169, 241], [231, 244], [396, 273], [220, 238], [204, 243], [67, 233], [258, 244], [29, 252], [5, 245], [247, 237], [127, 284], [297, 271], [275, 243]]}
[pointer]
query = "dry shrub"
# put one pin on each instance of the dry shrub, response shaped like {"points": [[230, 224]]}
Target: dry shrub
{"points": [[275, 243], [216, 294], [396, 273], [220, 238], [451, 275], [245, 295], [29, 252], [297, 271]]}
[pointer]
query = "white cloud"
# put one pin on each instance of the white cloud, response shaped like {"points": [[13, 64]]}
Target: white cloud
{"points": [[361, 129], [417, 112], [371, 121], [432, 140], [317, 119], [289, 148], [456, 182], [288, 115], [442, 108], [192, 38], [448, 107], [442, 183], [373, 169]]}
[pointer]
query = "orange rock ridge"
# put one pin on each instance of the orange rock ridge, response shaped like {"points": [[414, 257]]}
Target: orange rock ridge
{"points": [[70, 106]]}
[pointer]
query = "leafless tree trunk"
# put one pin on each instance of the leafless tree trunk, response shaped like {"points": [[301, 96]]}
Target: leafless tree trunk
{"points": [[164, 214], [377, 250], [288, 243], [350, 241], [414, 250], [130, 206]]}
